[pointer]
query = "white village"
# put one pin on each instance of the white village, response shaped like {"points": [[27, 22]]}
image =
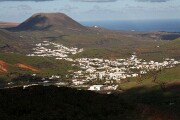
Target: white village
{"points": [[99, 74]]}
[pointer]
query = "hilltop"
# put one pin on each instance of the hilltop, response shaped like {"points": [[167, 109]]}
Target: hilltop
{"points": [[49, 21]]}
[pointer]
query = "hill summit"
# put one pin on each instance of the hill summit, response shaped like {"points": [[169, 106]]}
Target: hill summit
{"points": [[49, 21]]}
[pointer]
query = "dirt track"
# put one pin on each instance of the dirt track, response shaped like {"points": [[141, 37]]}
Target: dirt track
{"points": [[3, 66]]}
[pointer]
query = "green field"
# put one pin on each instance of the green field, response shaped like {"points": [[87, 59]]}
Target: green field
{"points": [[165, 76], [46, 66]]}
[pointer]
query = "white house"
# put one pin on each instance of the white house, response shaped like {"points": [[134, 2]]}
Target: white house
{"points": [[96, 87]]}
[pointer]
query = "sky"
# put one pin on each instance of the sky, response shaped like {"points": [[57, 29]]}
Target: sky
{"points": [[91, 10]]}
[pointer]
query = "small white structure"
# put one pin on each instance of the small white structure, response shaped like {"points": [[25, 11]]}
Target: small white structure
{"points": [[96, 87], [78, 83], [95, 26]]}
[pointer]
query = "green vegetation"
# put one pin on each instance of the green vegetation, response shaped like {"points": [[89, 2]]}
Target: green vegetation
{"points": [[118, 45], [140, 98], [166, 49], [46, 66], [162, 77], [102, 53], [169, 75], [152, 96], [106, 44], [162, 94]]}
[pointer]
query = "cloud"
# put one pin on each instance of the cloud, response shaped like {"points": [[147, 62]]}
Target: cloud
{"points": [[24, 7], [26, 0], [68, 8], [99, 10], [118, 0], [100, 1], [152, 0]]}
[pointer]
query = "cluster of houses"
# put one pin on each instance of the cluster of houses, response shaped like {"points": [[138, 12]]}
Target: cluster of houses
{"points": [[113, 71], [51, 49], [108, 72]]}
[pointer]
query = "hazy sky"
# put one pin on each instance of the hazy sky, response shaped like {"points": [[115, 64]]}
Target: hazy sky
{"points": [[88, 10]]}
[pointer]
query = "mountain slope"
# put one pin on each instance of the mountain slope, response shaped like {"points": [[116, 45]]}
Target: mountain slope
{"points": [[49, 21], [8, 41], [16, 65]]}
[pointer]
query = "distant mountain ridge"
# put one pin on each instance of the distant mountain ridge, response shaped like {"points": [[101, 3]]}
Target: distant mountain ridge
{"points": [[49, 21], [7, 24]]}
